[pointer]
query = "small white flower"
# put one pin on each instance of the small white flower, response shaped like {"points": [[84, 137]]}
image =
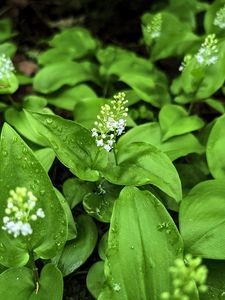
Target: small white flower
{"points": [[220, 18], [111, 122], [207, 54], [6, 67], [19, 206], [154, 28], [40, 213]]}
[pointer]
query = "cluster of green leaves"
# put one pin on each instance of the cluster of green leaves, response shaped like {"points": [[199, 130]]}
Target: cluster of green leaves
{"points": [[163, 196]]}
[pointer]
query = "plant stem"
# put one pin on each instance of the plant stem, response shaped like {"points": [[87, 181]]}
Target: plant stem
{"points": [[35, 271], [115, 154]]}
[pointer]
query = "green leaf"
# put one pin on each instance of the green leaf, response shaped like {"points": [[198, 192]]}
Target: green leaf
{"points": [[201, 220], [51, 284], [49, 79], [215, 104], [46, 157], [76, 41], [99, 204], [140, 227], [143, 164], [69, 97], [215, 149], [9, 85], [24, 170], [151, 133], [72, 230], [9, 49], [16, 283], [102, 246], [6, 29], [26, 127], [77, 251], [73, 146], [75, 189], [53, 55], [174, 120], [95, 278]]}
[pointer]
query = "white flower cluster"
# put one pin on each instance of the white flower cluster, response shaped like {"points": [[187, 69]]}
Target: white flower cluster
{"points": [[185, 62], [220, 18], [6, 67], [19, 213], [111, 122], [207, 54], [154, 28]]}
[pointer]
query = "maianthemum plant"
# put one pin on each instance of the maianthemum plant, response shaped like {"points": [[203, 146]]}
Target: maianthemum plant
{"points": [[144, 161]]}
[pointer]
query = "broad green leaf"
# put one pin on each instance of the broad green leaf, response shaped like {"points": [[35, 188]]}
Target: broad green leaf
{"points": [[24, 170], [201, 220], [72, 230], [140, 227], [52, 55], [18, 119], [9, 85], [46, 157], [102, 246], [6, 29], [215, 149], [99, 203], [73, 146], [86, 111], [54, 76], [151, 133], [174, 120], [215, 104], [16, 283], [69, 97], [77, 251], [51, 285], [76, 41], [95, 278], [143, 164], [75, 189], [9, 49]]}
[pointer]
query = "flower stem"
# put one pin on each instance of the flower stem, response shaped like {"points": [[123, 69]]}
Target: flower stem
{"points": [[35, 271], [115, 154]]}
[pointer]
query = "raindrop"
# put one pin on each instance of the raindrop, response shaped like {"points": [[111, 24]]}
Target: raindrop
{"points": [[49, 121], [116, 287], [4, 153]]}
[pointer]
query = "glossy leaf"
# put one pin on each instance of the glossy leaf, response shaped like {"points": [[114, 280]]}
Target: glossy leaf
{"points": [[73, 146], [151, 133], [95, 278], [140, 226], [201, 220], [49, 79], [174, 120], [143, 164], [215, 149], [77, 251], [24, 170]]}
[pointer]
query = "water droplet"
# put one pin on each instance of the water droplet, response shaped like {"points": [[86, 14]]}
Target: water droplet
{"points": [[4, 153], [116, 287], [24, 150], [42, 192], [132, 247], [17, 278], [49, 121]]}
